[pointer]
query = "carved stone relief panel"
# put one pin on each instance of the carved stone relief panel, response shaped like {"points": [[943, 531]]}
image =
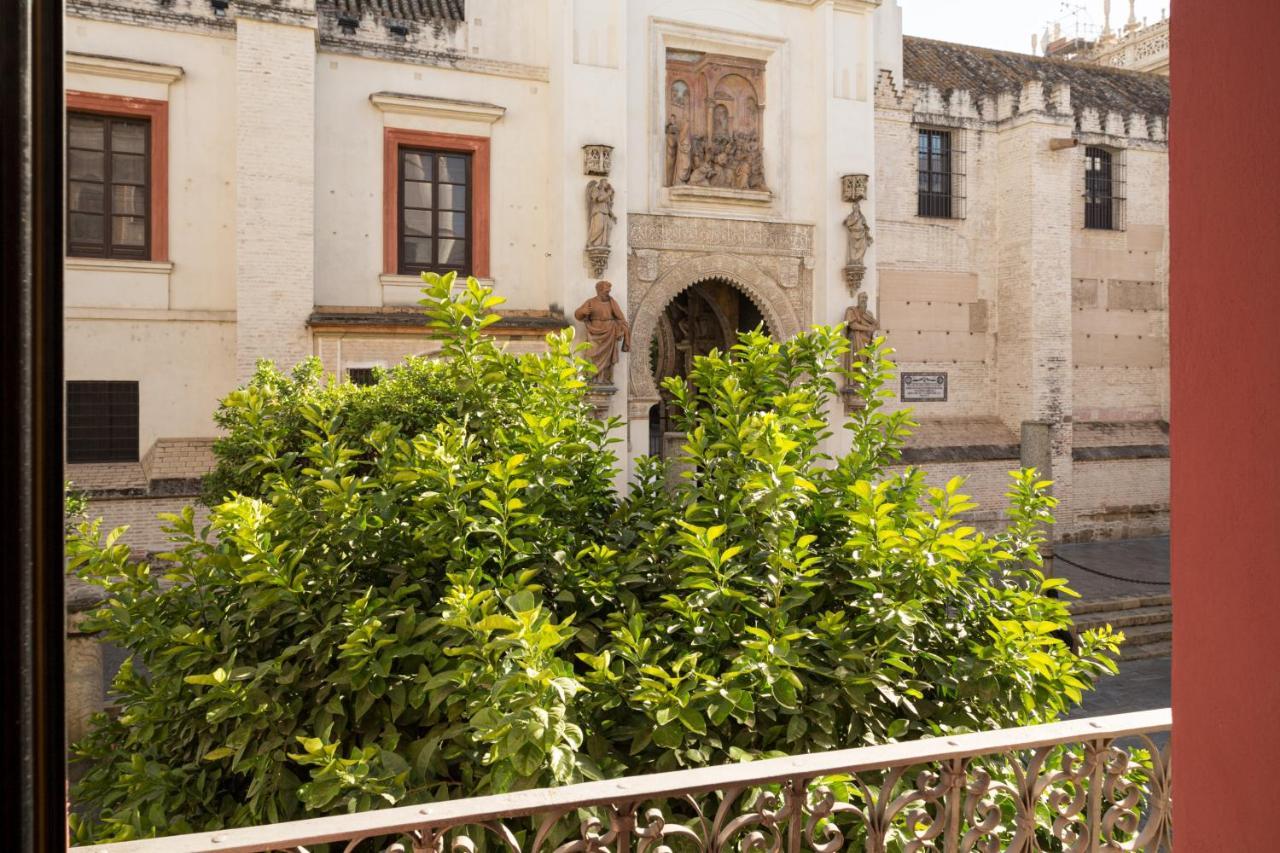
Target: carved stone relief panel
{"points": [[714, 128]]}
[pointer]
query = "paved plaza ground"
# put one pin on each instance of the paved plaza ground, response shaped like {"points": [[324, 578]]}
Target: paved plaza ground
{"points": [[1141, 684]]}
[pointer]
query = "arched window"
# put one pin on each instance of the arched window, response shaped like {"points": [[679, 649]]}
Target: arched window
{"points": [[1103, 195]]}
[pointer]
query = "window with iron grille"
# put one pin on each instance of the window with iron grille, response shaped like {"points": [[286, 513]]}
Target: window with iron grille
{"points": [[362, 376], [1104, 195], [102, 421], [108, 186], [435, 211], [941, 174]]}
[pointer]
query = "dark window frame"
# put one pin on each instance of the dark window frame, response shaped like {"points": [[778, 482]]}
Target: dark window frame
{"points": [[940, 176], [104, 429], [107, 248], [1104, 196], [362, 376], [403, 266]]}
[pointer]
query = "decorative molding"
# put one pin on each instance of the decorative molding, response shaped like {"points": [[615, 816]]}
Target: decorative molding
{"points": [[723, 195], [842, 5], [425, 105], [113, 265], [150, 315], [766, 261], [774, 136], [124, 69]]}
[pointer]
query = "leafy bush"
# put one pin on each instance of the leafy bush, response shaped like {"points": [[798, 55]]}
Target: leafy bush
{"points": [[429, 588]]}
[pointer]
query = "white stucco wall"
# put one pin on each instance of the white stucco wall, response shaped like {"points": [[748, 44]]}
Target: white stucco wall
{"points": [[168, 326], [349, 176]]}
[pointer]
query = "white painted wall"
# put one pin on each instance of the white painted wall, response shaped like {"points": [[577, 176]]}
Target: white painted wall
{"points": [[170, 327], [349, 141]]}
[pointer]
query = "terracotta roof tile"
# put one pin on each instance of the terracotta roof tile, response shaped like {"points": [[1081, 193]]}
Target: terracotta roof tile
{"points": [[402, 10], [987, 72]]}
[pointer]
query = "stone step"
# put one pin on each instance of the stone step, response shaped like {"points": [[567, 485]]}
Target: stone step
{"points": [[1124, 619], [1162, 649], [1143, 635], [1128, 602]]}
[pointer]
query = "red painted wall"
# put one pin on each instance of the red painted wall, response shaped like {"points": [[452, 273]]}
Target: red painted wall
{"points": [[1225, 421]]}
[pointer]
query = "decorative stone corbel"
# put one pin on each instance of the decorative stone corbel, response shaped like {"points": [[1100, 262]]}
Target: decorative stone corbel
{"points": [[853, 189]]}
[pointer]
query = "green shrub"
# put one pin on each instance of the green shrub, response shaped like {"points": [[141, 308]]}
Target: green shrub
{"points": [[429, 589]]}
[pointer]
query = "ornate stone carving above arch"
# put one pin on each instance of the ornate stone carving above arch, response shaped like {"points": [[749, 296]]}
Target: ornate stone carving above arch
{"points": [[770, 262]]}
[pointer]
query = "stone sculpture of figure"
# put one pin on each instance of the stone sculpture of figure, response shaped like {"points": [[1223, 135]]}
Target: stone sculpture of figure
{"points": [[606, 327], [720, 121], [600, 218], [742, 172], [673, 149], [684, 154], [756, 181], [859, 235], [702, 172], [860, 325]]}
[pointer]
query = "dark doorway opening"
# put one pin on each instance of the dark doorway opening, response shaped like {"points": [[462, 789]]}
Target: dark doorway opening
{"points": [[706, 316]]}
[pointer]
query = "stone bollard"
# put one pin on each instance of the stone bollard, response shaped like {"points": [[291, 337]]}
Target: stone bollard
{"points": [[85, 694]]}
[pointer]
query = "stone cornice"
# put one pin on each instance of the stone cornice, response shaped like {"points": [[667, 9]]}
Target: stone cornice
{"points": [[424, 105], [844, 5], [127, 69]]}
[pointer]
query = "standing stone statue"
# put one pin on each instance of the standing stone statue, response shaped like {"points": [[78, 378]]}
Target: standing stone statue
{"points": [[673, 150], [860, 325], [859, 236], [606, 326], [600, 218]]}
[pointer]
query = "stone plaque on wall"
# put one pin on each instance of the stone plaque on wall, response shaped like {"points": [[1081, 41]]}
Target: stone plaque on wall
{"points": [[924, 388]]}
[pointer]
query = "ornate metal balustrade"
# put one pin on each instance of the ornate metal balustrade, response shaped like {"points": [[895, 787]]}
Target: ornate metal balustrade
{"points": [[1096, 784]]}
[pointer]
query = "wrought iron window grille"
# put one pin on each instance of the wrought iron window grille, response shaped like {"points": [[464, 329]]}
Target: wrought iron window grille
{"points": [[940, 166]]}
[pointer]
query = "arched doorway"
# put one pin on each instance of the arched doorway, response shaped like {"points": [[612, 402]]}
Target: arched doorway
{"points": [[706, 316]]}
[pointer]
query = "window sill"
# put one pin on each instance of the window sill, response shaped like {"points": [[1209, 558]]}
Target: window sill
{"points": [[407, 289], [115, 265]]}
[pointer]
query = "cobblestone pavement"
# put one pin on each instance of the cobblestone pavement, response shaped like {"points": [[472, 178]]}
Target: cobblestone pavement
{"points": [[1141, 684], [1145, 562]]}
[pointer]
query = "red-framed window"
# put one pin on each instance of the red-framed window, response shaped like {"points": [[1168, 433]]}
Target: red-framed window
{"points": [[117, 177], [435, 203]]}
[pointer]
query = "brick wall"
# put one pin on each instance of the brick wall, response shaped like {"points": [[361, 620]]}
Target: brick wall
{"points": [[275, 180], [145, 531], [1031, 316]]}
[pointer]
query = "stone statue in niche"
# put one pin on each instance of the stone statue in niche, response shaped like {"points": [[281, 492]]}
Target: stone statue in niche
{"points": [[673, 150], [853, 189], [600, 218], [860, 326], [714, 131], [600, 222], [606, 326], [859, 235]]}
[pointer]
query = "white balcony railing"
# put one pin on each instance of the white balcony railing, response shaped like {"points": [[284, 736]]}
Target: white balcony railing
{"points": [[1079, 785]]}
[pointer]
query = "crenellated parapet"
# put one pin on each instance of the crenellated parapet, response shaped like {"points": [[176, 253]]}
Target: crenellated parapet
{"points": [[928, 103]]}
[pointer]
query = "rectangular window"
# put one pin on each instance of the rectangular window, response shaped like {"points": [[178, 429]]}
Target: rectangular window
{"points": [[102, 421], [108, 186], [1103, 189], [361, 376], [941, 175], [435, 211]]}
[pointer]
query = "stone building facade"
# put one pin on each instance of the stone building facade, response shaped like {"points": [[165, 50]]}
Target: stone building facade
{"points": [[257, 180]]}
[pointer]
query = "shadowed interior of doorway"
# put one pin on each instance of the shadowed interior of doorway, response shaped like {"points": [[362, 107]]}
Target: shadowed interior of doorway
{"points": [[706, 316]]}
